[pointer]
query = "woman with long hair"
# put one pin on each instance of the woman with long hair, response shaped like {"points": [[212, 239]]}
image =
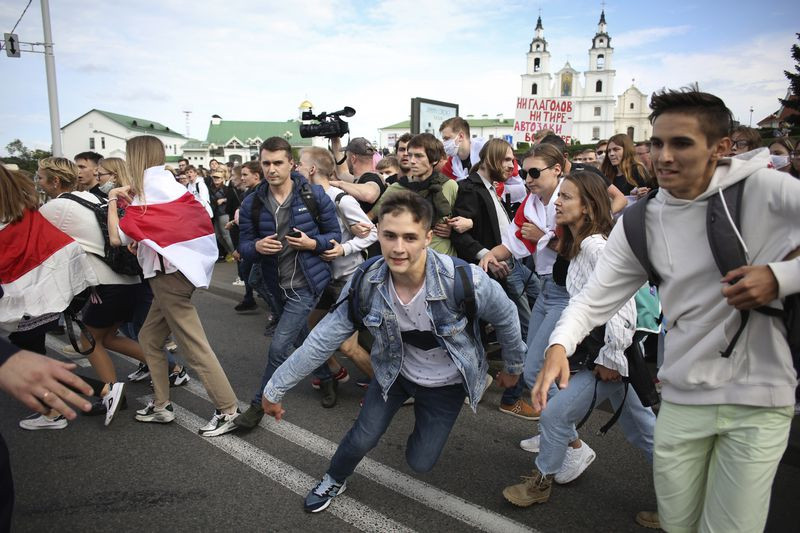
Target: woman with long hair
{"points": [[781, 152], [533, 232], [623, 170], [583, 213], [174, 242]]}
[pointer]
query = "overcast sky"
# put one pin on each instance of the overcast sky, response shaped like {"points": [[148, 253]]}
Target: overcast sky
{"points": [[257, 60]]}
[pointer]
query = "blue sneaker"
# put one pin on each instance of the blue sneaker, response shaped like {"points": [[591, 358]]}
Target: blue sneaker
{"points": [[320, 496]]}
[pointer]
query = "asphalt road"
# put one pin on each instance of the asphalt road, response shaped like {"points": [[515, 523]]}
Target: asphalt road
{"points": [[136, 477]]}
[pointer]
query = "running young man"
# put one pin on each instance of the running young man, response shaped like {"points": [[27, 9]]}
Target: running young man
{"points": [[425, 347], [724, 421]]}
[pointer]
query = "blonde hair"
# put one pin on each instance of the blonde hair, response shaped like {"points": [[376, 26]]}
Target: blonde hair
{"points": [[320, 158], [17, 194], [59, 167], [143, 152], [118, 167]]}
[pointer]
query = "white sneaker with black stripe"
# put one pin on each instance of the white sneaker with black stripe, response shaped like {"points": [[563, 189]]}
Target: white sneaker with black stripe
{"points": [[113, 400], [219, 424], [160, 415], [38, 421], [142, 372]]}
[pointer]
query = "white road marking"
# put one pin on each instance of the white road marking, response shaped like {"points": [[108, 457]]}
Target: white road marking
{"points": [[348, 509], [432, 497]]}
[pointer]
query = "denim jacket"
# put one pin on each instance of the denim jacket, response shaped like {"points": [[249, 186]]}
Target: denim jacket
{"points": [[450, 328]]}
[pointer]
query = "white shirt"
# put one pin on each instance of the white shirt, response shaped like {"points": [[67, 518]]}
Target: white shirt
{"points": [[429, 368], [200, 192], [148, 258]]}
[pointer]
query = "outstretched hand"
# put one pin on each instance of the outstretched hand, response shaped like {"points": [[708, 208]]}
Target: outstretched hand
{"points": [[556, 368], [272, 409], [43, 384]]}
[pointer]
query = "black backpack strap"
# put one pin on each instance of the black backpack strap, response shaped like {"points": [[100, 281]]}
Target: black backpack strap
{"points": [[85, 203], [722, 229], [633, 222], [307, 195], [339, 197]]}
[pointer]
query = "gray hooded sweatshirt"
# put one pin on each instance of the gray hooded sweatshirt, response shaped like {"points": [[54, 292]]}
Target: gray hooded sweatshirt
{"points": [[698, 320]]}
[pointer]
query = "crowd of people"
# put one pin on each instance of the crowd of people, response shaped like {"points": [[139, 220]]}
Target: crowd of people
{"points": [[419, 266]]}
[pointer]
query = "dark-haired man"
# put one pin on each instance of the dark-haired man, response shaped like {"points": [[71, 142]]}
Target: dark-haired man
{"points": [[356, 174], [87, 163], [285, 239], [401, 151], [724, 421], [408, 296], [424, 152]]}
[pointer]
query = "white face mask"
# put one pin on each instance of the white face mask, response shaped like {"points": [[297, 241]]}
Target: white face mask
{"points": [[107, 186], [779, 161], [450, 147]]}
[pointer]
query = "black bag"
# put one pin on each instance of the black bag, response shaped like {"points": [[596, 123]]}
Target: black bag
{"points": [[71, 315], [118, 258]]}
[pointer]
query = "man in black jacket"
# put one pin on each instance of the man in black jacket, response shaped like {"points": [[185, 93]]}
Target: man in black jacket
{"points": [[478, 201]]}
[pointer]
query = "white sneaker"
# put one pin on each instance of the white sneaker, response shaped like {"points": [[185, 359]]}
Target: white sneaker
{"points": [[171, 346], [37, 421], [142, 372], [151, 413], [531, 444], [576, 461], [238, 282], [489, 380], [219, 424], [113, 400]]}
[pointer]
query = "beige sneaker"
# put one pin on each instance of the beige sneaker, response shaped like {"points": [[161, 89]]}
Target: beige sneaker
{"points": [[534, 489], [648, 519]]}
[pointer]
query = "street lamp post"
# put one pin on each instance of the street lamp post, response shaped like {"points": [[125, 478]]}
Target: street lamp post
{"points": [[751, 116], [50, 69]]}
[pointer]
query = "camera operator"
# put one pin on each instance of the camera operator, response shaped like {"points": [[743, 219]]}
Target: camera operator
{"points": [[357, 177]]}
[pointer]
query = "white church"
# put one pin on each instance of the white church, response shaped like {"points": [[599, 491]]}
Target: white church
{"points": [[597, 113]]}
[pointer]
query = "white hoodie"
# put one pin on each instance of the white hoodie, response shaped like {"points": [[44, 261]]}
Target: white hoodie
{"points": [[698, 320]]}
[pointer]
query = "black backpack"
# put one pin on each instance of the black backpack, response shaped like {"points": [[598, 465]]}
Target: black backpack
{"points": [[728, 252], [118, 258]]}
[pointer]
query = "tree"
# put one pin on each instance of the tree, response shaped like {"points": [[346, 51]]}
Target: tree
{"points": [[793, 102], [23, 157]]}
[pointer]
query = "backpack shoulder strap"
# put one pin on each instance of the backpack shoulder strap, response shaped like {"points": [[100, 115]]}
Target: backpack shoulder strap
{"points": [[464, 289], [339, 197], [633, 222], [307, 195], [82, 201], [722, 228]]}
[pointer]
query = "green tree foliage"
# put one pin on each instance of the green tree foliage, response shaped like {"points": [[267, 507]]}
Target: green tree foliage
{"points": [[794, 83], [23, 157]]}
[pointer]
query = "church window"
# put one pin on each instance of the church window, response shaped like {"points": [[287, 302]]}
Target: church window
{"points": [[534, 89], [91, 143], [630, 132], [566, 84], [631, 105], [598, 87], [597, 111], [538, 46], [536, 64], [601, 61], [602, 41], [595, 133]]}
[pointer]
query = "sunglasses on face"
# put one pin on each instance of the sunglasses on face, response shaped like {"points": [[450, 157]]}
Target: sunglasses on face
{"points": [[532, 173], [600, 153]]}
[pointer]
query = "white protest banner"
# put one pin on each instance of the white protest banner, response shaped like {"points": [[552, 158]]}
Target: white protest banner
{"points": [[534, 114]]}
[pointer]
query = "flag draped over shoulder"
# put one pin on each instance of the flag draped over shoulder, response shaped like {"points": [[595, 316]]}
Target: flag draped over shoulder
{"points": [[41, 268], [174, 224]]}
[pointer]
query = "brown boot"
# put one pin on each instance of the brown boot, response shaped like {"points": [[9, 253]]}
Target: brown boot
{"points": [[534, 489], [648, 519]]}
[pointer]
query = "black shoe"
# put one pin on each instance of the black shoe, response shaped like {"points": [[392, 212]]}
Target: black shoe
{"points": [[246, 306], [272, 325], [328, 390]]}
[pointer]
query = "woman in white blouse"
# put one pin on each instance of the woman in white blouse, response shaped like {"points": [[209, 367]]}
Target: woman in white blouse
{"points": [[583, 213]]}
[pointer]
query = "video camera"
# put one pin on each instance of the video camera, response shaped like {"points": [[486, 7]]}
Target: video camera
{"points": [[329, 125]]}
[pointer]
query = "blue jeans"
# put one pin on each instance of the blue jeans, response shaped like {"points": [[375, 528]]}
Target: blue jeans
{"points": [[131, 329], [291, 331], [546, 311], [435, 412], [514, 285], [244, 268], [568, 407]]}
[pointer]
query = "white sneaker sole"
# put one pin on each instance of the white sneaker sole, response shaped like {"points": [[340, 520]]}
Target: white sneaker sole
{"points": [[111, 413], [227, 427], [528, 446], [589, 459], [61, 424]]}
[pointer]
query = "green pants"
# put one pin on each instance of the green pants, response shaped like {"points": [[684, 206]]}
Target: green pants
{"points": [[713, 465]]}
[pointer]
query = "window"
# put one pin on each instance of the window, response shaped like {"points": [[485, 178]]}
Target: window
{"points": [[91, 143], [602, 41], [536, 65], [630, 132], [538, 46], [598, 87], [631, 105], [595, 133], [601, 61], [103, 143], [597, 111], [534, 89]]}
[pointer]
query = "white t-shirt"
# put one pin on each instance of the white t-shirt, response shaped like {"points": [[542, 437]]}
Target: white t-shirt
{"points": [[427, 367]]}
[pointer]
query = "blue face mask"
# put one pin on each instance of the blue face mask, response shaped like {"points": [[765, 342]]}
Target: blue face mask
{"points": [[779, 161]]}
